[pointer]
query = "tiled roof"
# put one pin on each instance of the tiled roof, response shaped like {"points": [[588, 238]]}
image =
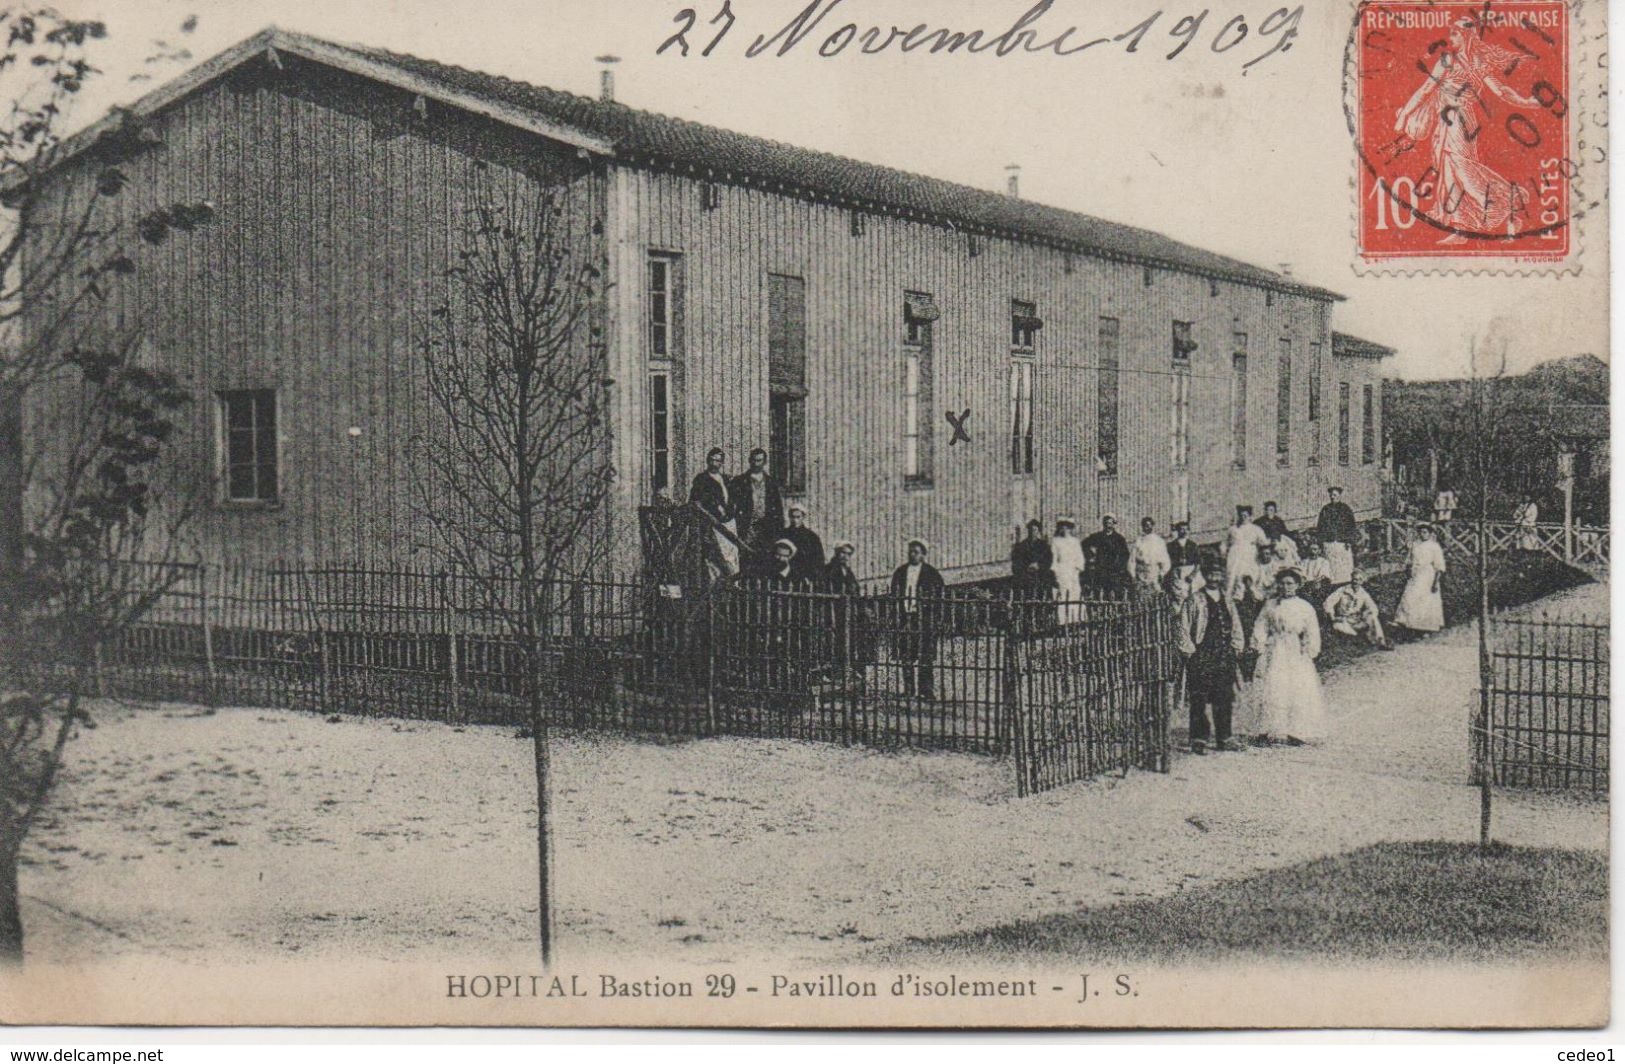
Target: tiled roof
{"points": [[646, 137], [661, 137], [1346, 346]]}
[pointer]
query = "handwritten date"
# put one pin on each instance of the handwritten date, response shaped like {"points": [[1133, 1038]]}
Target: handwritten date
{"points": [[812, 30]]}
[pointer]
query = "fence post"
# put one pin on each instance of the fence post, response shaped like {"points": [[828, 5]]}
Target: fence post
{"points": [[848, 617], [210, 686], [711, 659], [449, 615], [321, 642], [1010, 662]]}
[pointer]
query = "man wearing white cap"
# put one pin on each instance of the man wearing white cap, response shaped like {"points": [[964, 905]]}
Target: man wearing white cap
{"points": [[1149, 557], [809, 564], [913, 584]]}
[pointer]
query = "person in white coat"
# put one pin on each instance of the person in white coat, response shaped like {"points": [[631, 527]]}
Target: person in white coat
{"points": [[1421, 605], [1148, 558], [1241, 546], [1066, 552]]}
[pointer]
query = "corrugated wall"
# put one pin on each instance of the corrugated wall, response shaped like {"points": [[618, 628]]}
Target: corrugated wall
{"points": [[338, 210], [855, 285]]}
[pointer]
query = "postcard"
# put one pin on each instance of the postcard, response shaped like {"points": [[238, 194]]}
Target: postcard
{"points": [[805, 513]]}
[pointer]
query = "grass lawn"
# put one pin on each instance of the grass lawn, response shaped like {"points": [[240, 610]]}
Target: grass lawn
{"points": [[1412, 901]]}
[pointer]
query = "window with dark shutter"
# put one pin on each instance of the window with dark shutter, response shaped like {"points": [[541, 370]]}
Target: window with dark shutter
{"points": [[919, 311], [1106, 435], [1238, 401], [1283, 405], [787, 379]]}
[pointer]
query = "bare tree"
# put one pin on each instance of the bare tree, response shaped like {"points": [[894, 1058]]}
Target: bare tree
{"points": [[1488, 359], [97, 556], [84, 543], [519, 457]]}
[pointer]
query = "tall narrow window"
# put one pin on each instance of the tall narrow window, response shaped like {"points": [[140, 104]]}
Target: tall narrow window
{"points": [[1181, 429], [1368, 426], [1238, 402], [1343, 423], [1106, 397], [659, 430], [1021, 416], [249, 446], [919, 311], [787, 379], [664, 356], [1316, 367], [662, 306], [1024, 326], [1283, 405]]}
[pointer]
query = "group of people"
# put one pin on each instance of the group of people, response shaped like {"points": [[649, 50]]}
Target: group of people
{"points": [[1065, 568], [1249, 634], [760, 537], [1249, 618], [756, 533]]}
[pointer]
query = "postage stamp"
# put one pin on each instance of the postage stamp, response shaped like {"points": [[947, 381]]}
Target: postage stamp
{"points": [[1465, 131]]}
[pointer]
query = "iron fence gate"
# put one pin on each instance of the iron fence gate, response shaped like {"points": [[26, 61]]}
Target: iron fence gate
{"points": [[1548, 705]]}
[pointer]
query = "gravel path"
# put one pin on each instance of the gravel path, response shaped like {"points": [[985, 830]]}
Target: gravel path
{"points": [[233, 835]]}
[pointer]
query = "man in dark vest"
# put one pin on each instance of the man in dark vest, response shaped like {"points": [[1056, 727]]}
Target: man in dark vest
{"points": [[1271, 524], [1210, 641], [1339, 532], [1184, 557], [1106, 554], [1030, 561], [709, 493], [758, 503], [914, 585]]}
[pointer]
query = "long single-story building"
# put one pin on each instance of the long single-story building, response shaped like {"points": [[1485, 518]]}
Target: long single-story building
{"points": [[919, 357]]}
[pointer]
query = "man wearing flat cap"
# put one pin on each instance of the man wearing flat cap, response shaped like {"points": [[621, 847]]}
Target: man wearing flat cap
{"points": [[914, 585]]}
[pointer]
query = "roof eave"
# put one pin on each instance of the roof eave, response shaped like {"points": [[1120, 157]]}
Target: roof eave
{"points": [[272, 41]]}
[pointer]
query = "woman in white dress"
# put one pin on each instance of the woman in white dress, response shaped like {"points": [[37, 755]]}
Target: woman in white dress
{"points": [[1067, 553], [1286, 698], [1421, 607], [1527, 517]]}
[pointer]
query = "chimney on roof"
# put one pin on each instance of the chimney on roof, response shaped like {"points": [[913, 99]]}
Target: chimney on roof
{"points": [[1013, 183], [606, 78], [1285, 268]]}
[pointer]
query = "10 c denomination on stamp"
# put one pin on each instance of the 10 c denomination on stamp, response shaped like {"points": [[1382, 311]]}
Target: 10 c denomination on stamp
{"points": [[1464, 129]]}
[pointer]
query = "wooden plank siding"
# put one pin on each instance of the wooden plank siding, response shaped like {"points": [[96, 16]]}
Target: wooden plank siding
{"points": [[337, 215], [854, 289]]}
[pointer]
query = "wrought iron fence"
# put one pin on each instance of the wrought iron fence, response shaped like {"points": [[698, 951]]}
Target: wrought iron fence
{"points": [[1071, 689], [1548, 704]]}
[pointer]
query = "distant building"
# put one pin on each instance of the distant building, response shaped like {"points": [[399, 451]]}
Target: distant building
{"points": [[920, 358]]}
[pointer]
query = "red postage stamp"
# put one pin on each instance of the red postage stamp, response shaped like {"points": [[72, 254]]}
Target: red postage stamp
{"points": [[1462, 124]]}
